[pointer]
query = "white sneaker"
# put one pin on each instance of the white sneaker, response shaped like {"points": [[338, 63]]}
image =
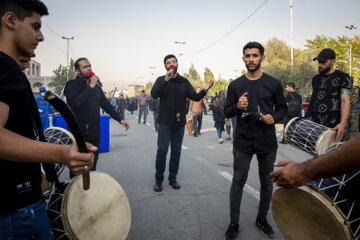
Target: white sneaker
{"points": [[220, 140]]}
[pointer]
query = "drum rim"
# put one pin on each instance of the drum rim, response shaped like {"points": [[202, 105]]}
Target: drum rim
{"points": [[64, 217], [68, 133], [288, 126], [325, 201], [320, 138]]}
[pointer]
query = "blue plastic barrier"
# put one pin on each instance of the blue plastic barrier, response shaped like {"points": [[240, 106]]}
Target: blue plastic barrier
{"points": [[58, 121]]}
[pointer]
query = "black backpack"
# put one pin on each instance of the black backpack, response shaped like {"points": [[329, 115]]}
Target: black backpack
{"points": [[294, 107]]}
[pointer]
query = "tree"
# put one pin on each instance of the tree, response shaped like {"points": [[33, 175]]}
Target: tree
{"points": [[194, 77], [148, 88], [341, 46], [60, 76]]}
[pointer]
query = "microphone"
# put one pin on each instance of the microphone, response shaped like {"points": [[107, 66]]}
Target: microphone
{"points": [[91, 74], [172, 72]]}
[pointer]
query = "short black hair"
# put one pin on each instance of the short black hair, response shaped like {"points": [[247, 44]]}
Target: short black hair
{"points": [[22, 8], [169, 56], [291, 84], [76, 64], [254, 45]]}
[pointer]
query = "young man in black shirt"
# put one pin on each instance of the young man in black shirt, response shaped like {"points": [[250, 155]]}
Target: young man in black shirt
{"points": [[85, 97], [258, 101], [330, 101], [293, 101], [172, 89], [22, 208]]}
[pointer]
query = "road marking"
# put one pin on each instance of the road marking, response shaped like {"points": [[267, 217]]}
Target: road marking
{"points": [[184, 147], [250, 190]]}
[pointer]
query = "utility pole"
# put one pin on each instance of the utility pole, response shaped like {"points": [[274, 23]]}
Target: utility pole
{"points": [[350, 27], [291, 33], [67, 55]]}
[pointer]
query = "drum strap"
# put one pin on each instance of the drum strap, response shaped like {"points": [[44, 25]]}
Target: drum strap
{"points": [[49, 168]]}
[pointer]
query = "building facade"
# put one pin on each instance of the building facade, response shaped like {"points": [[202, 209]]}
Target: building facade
{"points": [[33, 73]]}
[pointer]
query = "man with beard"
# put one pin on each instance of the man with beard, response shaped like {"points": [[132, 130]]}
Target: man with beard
{"points": [[85, 97], [172, 89], [330, 102], [258, 101]]}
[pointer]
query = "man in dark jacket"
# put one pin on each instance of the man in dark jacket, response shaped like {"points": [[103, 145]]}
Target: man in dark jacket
{"points": [[172, 89], [85, 97], [155, 107]]}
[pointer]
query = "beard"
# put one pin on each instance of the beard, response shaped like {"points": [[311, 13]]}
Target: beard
{"points": [[175, 69], [253, 69], [324, 70]]}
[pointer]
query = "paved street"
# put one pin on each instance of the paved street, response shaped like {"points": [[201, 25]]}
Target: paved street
{"points": [[200, 209]]}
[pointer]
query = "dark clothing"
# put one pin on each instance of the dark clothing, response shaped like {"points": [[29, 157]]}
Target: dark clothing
{"points": [[85, 102], [197, 122], [241, 169], [174, 135], [253, 136], [325, 103], [20, 182], [173, 99], [294, 101], [121, 105], [155, 106]]}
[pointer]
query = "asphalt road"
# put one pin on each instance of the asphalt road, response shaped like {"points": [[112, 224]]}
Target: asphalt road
{"points": [[200, 209]]}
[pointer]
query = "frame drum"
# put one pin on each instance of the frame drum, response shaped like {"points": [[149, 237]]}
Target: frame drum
{"points": [[101, 212]]}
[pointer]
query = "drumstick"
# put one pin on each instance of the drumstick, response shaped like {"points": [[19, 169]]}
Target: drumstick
{"points": [[70, 119]]}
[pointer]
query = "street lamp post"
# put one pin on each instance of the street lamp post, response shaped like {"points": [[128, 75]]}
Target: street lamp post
{"points": [[180, 54], [67, 55], [350, 27], [291, 33]]}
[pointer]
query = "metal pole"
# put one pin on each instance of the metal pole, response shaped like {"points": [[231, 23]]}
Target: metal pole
{"points": [[350, 27], [350, 58], [67, 55], [291, 33]]}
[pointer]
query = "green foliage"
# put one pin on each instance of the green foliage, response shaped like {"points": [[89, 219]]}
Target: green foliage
{"points": [[278, 65], [60, 76], [148, 88], [341, 46]]}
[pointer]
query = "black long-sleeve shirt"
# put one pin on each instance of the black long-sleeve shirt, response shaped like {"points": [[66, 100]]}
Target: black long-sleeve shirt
{"points": [[85, 102], [173, 99], [251, 135]]}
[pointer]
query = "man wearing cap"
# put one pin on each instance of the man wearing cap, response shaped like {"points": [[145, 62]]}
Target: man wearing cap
{"points": [[330, 102], [44, 108]]}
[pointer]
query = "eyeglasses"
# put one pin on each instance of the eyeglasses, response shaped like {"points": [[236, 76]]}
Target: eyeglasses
{"points": [[169, 62]]}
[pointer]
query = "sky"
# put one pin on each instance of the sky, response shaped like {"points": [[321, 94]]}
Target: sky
{"points": [[126, 41]]}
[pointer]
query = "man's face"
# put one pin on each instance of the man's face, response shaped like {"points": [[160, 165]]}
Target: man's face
{"points": [[325, 67], [84, 69], [289, 89], [198, 90], [28, 34], [171, 62], [252, 59]]}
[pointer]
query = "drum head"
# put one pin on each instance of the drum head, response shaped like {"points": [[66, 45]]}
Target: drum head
{"points": [[305, 213], [102, 212], [326, 140]]}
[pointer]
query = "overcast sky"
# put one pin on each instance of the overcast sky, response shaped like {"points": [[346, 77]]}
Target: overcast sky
{"points": [[123, 39]]}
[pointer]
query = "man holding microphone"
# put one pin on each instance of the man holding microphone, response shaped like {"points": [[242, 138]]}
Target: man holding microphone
{"points": [[85, 97]]}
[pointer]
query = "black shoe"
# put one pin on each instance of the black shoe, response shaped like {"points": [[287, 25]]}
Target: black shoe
{"points": [[174, 184], [264, 227], [199, 133], [283, 141], [144, 122], [195, 134], [158, 186], [232, 232]]}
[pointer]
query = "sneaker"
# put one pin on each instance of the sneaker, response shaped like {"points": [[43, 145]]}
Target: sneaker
{"points": [[220, 140], [232, 232], [264, 227], [282, 141], [195, 134], [158, 186], [174, 184]]}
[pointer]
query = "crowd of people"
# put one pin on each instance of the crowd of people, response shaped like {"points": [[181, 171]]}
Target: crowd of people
{"points": [[254, 102]]}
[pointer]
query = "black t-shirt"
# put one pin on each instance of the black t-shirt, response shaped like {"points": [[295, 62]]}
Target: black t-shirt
{"points": [[20, 183], [325, 104], [251, 135], [293, 100]]}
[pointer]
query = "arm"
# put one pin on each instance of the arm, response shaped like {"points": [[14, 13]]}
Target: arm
{"points": [[280, 104], [345, 111], [191, 93], [231, 109], [206, 104], [158, 88], [342, 160], [35, 151], [190, 107]]}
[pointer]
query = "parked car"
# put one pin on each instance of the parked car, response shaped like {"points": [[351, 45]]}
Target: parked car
{"points": [[305, 105]]}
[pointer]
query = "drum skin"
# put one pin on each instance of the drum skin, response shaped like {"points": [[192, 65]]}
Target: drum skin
{"points": [[305, 213], [102, 212]]}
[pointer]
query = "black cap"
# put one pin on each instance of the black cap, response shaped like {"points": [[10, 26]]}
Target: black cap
{"points": [[325, 54], [143, 91]]}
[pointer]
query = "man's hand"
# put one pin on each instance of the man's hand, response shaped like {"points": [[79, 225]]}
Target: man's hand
{"points": [[268, 119], [340, 128], [243, 102], [125, 124], [292, 174], [168, 75], [208, 85], [77, 161], [93, 81], [153, 112]]}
